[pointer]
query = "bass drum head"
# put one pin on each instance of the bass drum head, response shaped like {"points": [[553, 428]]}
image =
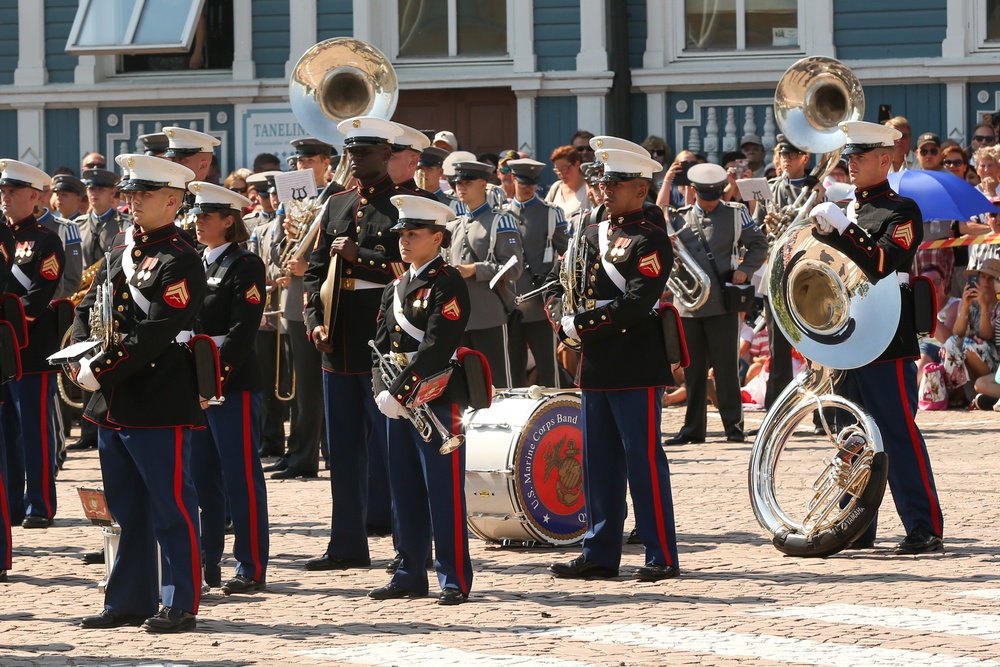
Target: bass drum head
{"points": [[548, 464]]}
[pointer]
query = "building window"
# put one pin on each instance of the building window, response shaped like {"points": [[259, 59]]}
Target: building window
{"points": [[727, 25], [443, 28], [993, 21], [149, 36]]}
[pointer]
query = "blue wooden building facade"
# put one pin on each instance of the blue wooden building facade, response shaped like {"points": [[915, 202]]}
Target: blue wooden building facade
{"points": [[701, 74]]}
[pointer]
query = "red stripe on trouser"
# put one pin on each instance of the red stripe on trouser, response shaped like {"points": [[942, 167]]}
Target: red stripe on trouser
{"points": [[459, 518], [652, 442], [918, 451], [248, 451], [46, 469], [179, 499]]}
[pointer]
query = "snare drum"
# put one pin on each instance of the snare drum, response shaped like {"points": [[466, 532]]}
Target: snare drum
{"points": [[524, 468]]}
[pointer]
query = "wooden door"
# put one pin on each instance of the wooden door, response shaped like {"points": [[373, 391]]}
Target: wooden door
{"points": [[483, 119]]}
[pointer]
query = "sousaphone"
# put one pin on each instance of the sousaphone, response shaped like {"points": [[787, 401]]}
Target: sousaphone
{"points": [[838, 319], [335, 80]]}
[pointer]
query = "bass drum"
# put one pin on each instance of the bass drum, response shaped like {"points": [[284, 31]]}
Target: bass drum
{"points": [[524, 469]]}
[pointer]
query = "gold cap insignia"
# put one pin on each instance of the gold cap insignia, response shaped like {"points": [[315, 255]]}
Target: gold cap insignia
{"points": [[356, 124], [600, 143], [197, 187], [3, 165], [604, 156], [398, 201], [130, 162], [170, 133]]}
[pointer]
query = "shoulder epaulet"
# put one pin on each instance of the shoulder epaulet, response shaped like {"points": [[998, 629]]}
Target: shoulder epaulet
{"points": [[72, 232], [506, 223]]}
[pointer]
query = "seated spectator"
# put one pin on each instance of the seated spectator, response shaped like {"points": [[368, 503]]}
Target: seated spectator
{"points": [[980, 252], [971, 352], [986, 167], [930, 347]]}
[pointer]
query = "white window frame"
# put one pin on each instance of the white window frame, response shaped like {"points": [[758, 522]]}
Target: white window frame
{"points": [[127, 46], [806, 13], [391, 27], [979, 42]]}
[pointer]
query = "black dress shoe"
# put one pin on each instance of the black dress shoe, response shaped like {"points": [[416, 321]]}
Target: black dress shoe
{"points": [[656, 572], [581, 568], [920, 541], [633, 537], [35, 521], [681, 439], [83, 443], [293, 473], [452, 596], [94, 557], [240, 584], [170, 619], [736, 437], [280, 464], [392, 591], [109, 618], [394, 564], [861, 544], [328, 562]]}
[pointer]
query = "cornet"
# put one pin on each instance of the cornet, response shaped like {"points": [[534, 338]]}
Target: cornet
{"points": [[421, 416]]}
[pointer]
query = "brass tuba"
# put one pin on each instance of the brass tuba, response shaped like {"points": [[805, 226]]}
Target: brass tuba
{"points": [[827, 309], [689, 283], [338, 79]]}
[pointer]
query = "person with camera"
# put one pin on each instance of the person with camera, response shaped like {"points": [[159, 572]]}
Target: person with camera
{"points": [[971, 352], [713, 232], [544, 237]]}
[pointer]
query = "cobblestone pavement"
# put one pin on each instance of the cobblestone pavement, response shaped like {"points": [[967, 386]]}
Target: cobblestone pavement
{"points": [[738, 600]]}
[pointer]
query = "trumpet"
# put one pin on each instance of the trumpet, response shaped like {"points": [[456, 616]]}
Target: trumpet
{"points": [[421, 416]]}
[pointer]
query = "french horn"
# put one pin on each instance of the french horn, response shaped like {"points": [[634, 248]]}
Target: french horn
{"points": [[827, 309]]}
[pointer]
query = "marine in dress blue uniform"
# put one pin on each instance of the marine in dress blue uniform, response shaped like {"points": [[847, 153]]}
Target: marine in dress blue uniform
{"points": [[880, 232], [7, 245], [225, 462], [420, 323], [25, 416], [622, 400], [145, 404], [357, 226]]}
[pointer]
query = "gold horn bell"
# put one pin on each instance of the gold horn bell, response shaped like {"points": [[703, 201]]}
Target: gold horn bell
{"points": [[337, 79]]}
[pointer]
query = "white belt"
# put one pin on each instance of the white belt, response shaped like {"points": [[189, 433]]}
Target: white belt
{"points": [[904, 278], [357, 284], [600, 303], [409, 355], [185, 336]]}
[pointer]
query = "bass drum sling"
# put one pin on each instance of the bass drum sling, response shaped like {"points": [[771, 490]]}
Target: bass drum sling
{"points": [[524, 469]]}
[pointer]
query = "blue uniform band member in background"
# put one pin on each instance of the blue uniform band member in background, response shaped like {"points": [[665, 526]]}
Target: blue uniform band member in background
{"points": [[225, 463], [880, 232], [621, 400], [713, 232], [420, 324], [355, 225], [146, 402], [544, 237], [25, 416]]}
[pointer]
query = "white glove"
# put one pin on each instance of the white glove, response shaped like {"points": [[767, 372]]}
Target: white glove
{"points": [[389, 406], [829, 217], [85, 378], [568, 327]]}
